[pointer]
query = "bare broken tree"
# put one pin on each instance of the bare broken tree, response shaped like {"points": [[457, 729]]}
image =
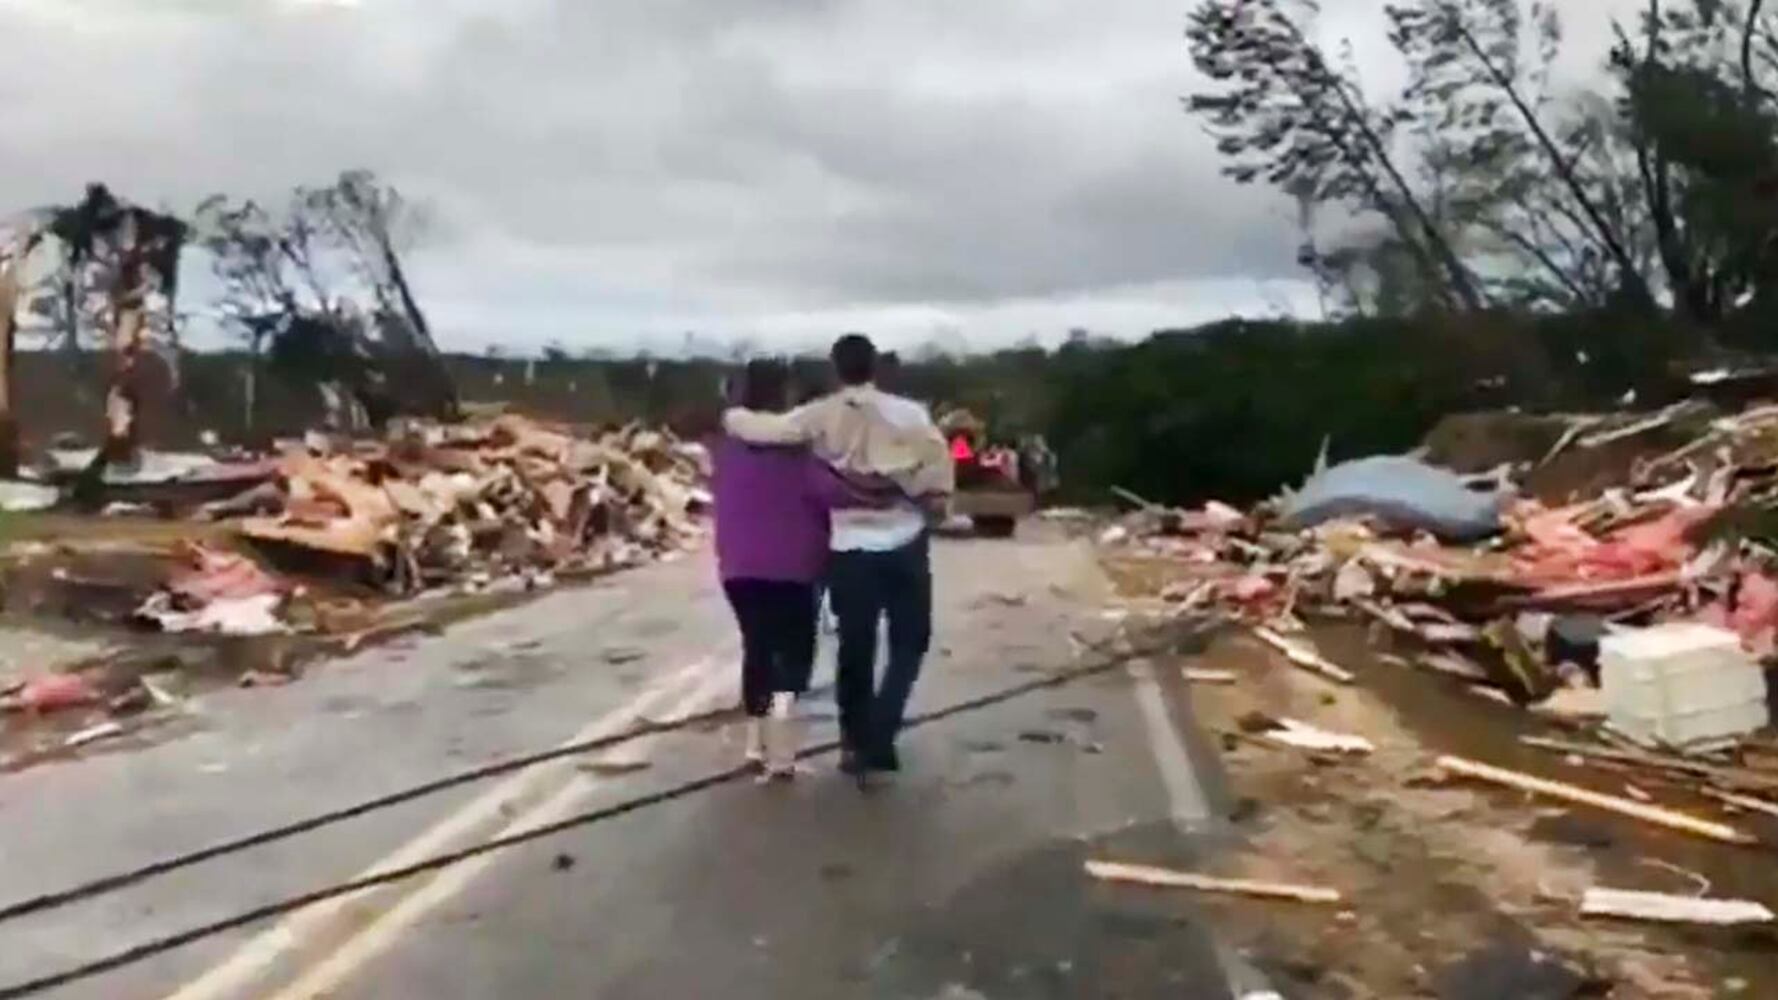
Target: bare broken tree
{"points": [[369, 223], [266, 277], [1480, 85], [1657, 196], [132, 253], [17, 242], [135, 251], [1697, 83], [317, 292], [1284, 113]]}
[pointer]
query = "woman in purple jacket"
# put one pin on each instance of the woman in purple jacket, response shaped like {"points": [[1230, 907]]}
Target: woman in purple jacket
{"points": [[772, 508]]}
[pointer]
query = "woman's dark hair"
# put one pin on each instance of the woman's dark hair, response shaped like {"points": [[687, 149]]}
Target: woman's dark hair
{"points": [[765, 385]]}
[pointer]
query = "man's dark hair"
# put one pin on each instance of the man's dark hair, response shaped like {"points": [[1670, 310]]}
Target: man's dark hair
{"points": [[765, 385], [854, 359]]}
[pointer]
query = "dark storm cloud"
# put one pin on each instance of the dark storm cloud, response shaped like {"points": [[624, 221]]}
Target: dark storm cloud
{"points": [[601, 163]]}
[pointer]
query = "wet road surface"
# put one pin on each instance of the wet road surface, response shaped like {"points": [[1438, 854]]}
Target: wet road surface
{"points": [[960, 879]]}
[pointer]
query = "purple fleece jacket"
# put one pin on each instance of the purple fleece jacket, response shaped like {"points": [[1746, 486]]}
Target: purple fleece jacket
{"points": [[772, 507]]}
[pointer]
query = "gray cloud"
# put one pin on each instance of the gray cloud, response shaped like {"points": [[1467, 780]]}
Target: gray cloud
{"points": [[604, 168]]}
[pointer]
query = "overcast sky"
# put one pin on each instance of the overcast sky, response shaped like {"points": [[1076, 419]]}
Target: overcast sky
{"points": [[972, 171]]}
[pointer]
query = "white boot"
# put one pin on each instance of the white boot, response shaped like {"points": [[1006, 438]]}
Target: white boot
{"points": [[784, 736], [756, 741]]}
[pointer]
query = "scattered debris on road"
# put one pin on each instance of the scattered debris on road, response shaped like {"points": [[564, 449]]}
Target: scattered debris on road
{"points": [[1659, 906], [1303, 656], [1303, 736], [250, 563], [50, 693], [1645, 609], [1166, 878], [1571, 793], [611, 767], [1601, 607], [93, 734]]}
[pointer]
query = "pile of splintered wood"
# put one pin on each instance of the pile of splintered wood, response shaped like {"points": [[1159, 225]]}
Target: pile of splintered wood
{"points": [[432, 504]]}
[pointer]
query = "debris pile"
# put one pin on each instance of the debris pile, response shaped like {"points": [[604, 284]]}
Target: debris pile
{"points": [[1615, 579], [435, 504], [1474, 577], [464, 505]]}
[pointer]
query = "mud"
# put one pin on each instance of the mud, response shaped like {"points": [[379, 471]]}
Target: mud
{"points": [[1436, 874], [1446, 718]]}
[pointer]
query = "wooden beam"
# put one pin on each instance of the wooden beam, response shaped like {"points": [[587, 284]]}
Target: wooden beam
{"points": [[1570, 793], [1167, 878]]}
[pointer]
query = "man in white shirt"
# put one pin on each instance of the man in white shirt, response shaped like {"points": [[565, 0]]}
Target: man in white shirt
{"points": [[881, 565]]}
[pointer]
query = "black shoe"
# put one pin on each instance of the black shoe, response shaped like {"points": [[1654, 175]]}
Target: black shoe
{"points": [[852, 762], [886, 760]]}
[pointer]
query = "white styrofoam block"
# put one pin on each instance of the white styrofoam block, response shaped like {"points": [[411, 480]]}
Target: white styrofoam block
{"points": [[1663, 641], [1682, 684]]}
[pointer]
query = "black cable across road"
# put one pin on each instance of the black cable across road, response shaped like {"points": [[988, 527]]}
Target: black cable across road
{"points": [[119, 880], [171, 942]]}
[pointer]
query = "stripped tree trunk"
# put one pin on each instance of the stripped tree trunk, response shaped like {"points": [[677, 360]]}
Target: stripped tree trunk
{"points": [[444, 391], [9, 428], [122, 429], [12, 266], [129, 335]]}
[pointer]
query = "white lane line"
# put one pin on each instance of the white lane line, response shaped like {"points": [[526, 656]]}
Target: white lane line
{"points": [[1189, 809], [358, 950], [1187, 806], [251, 960]]}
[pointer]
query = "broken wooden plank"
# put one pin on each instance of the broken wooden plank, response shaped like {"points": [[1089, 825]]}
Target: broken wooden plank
{"points": [[1436, 633], [1741, 801], [1575, 427], [1167, 878], [1583, 703], [1665, 908], [1733, 777], [1643, 426], [1134, 499], [1605, 753], [1453, 665], [1303, 736], [1303, 657], [1668, 818]]}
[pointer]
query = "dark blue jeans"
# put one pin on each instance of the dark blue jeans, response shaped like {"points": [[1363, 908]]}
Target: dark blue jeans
{"points": [[866, 588]]}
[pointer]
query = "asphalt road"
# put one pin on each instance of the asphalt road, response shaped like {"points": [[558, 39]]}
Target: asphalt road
{"points": [[961, 879]]}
